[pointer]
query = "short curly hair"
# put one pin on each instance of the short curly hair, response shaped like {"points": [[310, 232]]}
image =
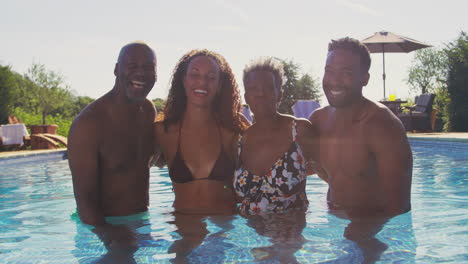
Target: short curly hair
{"points": [[268, 64], [354, 46], [226, 105]]}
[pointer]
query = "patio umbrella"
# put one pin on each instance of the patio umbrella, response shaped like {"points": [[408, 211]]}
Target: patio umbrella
{"points": [[387, 42]]}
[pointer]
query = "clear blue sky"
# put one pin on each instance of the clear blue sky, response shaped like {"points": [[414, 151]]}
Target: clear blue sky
{"points": [[81, 39]]}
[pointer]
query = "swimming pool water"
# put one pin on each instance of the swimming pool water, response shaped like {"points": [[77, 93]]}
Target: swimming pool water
{"points": [[36, 204]]}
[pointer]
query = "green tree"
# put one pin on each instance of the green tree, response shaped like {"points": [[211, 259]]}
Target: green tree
{"points": [[428, 74], [159, 104], [308, 88], [36, 93], [441, 105], [457, 83], [72, 106], [12, 90], [297, 88], [47, 89], [428, 71], [79, 103], [6, 92]]}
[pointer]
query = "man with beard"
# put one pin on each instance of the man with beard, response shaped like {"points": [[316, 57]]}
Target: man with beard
{"points": [[111, 144], [364, 155]]}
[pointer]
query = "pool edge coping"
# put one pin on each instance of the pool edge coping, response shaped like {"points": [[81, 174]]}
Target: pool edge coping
{"points": [[446, 139], [18, 155]]}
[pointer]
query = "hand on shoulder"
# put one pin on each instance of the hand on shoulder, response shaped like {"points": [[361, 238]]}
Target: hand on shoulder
{"points": [[307, 138], [318, 115], [305, 128]]}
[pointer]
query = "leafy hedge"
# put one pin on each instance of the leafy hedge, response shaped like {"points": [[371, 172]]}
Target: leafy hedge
{"points": [[62, 122]]}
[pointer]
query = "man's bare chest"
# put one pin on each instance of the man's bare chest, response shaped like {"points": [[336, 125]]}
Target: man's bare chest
{"points": [[346, 151], [124, 144]]}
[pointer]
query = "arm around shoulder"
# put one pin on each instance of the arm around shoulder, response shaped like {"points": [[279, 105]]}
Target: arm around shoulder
{"points": [[308, 139], [313, 165], [151, 110], [316, 115], [158, 132]]}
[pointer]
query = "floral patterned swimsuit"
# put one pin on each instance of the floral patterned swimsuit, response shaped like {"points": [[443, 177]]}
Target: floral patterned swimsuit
{"points": [[273, 192]]}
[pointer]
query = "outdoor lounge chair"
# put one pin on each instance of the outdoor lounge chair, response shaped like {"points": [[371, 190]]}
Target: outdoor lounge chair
{"points": [[421, 116], [246, 112], [45, 137], [57, 138], [304, 108], [39, 141], [47, 141], [12, 135]]}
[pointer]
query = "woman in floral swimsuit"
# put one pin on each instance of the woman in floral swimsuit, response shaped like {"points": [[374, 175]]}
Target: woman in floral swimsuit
{"points": [[270, 174]]}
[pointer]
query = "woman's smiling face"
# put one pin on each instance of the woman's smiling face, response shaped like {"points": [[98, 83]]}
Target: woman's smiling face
{"points": [[202, 80]]}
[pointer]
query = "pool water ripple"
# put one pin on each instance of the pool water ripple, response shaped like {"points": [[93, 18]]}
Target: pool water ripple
{"points": [[36, 203]]}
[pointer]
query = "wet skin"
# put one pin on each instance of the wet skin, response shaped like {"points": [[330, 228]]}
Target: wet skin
{"points": [[110, 143], [364, 152], [271, 135], [200, 143]]}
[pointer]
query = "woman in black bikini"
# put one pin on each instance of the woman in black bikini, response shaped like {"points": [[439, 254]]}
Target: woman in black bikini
{"points": [[198, 133], [197, 136]]}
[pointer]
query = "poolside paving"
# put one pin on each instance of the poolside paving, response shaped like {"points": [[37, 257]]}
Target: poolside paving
{"points": [[456, 136], [24, 153]]}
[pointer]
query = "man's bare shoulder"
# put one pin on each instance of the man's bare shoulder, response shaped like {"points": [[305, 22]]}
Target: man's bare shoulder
{"points": [[302, 122], [382, 123], [92, 114], [303, 125], [320, 114], [150, 109], [305, 129], [86, 128], [381, 116]]}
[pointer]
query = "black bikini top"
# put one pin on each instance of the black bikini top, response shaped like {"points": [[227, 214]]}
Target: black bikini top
{"points": [[223, 169]]}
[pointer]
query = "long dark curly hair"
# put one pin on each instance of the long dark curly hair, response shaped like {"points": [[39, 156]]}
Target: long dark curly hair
{"points": [[226, 104]]}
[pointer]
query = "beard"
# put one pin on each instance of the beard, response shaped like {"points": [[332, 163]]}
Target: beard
{"points": [[341, 97], [135, 91]]}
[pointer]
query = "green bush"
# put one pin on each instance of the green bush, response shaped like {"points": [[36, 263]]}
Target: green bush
{"points": [[63, 123], [457, 80], [441, 103]]}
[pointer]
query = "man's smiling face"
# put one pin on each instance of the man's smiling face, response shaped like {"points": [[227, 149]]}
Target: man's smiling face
{"points": [[344, 78]]}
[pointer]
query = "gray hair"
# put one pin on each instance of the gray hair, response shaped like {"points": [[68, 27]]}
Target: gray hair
{"points": [[124, 49], [268, 64]]}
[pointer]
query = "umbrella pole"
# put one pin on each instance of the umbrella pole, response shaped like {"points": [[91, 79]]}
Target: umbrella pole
{"points": [[383, 75]]}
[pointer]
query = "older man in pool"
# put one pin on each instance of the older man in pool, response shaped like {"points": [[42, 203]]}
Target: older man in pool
{"points": [[364, 153], [110, 146]]}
